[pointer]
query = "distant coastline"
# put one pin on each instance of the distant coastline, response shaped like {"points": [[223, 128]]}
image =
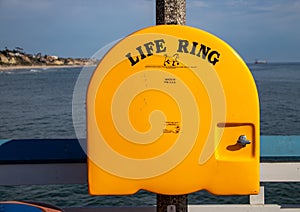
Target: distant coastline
{"points": [[10, 68], [18, 59]]}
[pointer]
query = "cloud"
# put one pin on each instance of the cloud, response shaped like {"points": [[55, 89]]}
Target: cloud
{"points": [[33, 5], [251, 27], [196, 4], [73, 27]]}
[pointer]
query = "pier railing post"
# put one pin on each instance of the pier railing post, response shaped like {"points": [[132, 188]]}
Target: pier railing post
{"points": [[171, 12]]}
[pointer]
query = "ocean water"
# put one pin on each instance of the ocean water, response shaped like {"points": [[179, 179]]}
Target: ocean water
{"points": [[37, 103]]}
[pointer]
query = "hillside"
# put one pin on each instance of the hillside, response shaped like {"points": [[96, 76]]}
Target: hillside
{"points": [[17, 57]]}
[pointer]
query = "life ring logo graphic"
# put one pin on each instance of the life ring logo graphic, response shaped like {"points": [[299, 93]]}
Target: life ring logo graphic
{"points": [[151, 99]]}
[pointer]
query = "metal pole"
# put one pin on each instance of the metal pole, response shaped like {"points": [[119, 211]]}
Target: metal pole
{"points": [[171, 203], [171, 12]]}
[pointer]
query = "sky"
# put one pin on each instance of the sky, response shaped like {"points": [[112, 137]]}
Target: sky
{"points": [[256, 29]]}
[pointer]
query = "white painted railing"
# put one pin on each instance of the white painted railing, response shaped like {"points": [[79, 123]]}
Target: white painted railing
{"points": [[62, 172]]}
